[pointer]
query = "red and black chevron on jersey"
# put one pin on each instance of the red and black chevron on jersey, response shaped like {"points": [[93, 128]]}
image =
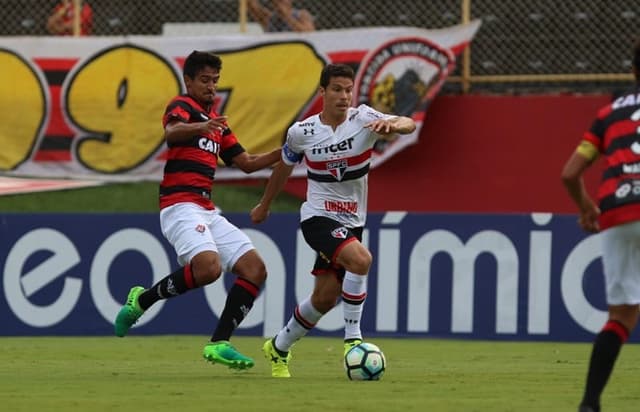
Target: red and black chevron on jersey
{"points": [[191, 164], [616, 134]]}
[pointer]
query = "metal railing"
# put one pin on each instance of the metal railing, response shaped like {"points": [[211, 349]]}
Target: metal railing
{"points": [[522, 46]]}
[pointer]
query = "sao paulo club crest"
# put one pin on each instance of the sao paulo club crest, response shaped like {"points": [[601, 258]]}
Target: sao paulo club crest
{"points": [[337, 168], [339, 233]]}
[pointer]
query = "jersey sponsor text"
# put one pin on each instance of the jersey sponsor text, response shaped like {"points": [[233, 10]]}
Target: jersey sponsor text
{"points": [[208, 145], [340, 206], [334, 148]]}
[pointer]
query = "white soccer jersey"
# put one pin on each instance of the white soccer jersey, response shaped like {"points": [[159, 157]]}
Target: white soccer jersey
{"points": [[337, 164]]}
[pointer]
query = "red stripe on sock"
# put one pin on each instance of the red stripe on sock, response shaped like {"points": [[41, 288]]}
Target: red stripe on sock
{"points": [[248, 286], [303, 321], [349, 296], [617, 328], [189, 280]]}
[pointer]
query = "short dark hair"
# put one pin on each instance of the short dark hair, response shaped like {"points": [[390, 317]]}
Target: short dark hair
{"points": [[335, 70], [198, 60]]}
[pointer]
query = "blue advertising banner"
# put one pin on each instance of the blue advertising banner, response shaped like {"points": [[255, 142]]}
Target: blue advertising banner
{"points": [[472, 276]]}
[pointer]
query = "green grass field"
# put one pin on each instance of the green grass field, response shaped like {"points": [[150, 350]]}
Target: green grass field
{"points": [[167, 374], [135, 197]]}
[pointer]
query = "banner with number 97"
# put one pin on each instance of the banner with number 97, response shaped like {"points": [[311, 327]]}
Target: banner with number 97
{"points": [[92, 107]]}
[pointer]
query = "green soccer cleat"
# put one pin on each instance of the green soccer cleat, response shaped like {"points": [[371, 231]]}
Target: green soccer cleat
{"points": [[130, 312], [279, 363], [350, 343], [223, 352]]}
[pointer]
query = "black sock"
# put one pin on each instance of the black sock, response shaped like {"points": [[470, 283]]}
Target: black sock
{"points": [[603, 357], [239, 303], [172, 285]]}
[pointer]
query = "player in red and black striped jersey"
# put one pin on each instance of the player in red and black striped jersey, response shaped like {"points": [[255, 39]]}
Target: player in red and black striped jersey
{"points": [[205, 242], [191, 163], [615, 134]]}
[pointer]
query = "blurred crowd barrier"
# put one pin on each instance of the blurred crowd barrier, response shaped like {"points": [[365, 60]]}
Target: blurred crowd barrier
{"points": [[522, 46]]}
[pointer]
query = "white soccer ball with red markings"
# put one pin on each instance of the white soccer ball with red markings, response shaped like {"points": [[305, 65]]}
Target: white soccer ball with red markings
{"points": [[365, 362]]}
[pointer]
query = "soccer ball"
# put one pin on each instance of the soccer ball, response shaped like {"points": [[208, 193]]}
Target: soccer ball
{"points": [[365, 362]]}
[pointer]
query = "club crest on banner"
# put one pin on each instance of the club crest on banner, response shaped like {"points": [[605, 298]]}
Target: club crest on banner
{"points": [[401, 77]]}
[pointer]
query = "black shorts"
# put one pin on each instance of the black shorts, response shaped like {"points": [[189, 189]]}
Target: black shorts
{"points": [[327, 237]]}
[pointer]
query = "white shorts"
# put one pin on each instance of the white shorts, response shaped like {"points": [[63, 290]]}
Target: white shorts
{"points": [[621, 262], [192, 229]]}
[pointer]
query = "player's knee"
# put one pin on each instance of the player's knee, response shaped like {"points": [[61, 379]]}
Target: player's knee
{"points": [[208, 273], [250, 266], [626, 315], [360, 262], [258, 274]]}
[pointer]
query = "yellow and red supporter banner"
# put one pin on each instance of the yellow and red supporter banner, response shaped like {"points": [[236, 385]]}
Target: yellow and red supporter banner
{"points": [[92, 107]]}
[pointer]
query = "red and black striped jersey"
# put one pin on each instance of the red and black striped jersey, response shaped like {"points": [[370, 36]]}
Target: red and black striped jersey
{"points": [[191, 164], [616, 134]]}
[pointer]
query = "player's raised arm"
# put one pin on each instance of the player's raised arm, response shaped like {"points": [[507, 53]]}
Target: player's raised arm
{"points": [[278, 178]]}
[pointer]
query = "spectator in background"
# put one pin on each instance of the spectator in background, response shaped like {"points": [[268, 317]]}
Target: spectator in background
{"points": [[61, 21], [282, 17], [614, 135]]}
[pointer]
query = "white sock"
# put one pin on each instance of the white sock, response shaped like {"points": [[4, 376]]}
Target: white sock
{"points": [[304, 318], [354, 293]]}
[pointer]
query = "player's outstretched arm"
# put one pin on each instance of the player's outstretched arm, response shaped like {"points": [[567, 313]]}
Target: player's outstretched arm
{"points": [[402, 125], [178, 131], [388, 128], [249, 163], [279, 176]]}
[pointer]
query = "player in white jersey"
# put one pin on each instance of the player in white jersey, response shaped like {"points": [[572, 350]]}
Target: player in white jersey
{"points": [[335, 156], [336, 145]]}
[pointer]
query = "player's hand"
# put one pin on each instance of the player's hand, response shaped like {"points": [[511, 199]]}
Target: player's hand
{"points": [[259, 213], [381, 126], [216, 124], [588, 219]]}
